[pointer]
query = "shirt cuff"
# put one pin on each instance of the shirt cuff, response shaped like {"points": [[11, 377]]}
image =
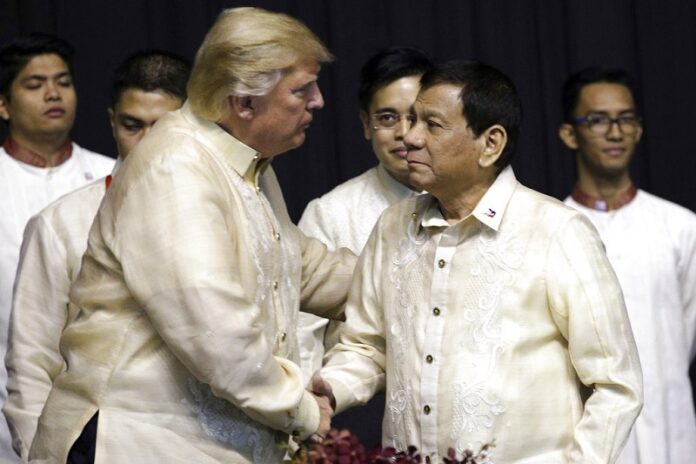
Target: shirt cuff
{"points": [[343, 395], [306, 417]]}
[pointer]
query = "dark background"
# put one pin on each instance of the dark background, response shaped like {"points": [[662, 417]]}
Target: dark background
{"points": [[537, 42]]}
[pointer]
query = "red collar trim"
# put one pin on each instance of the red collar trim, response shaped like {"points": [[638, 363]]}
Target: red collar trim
{"points": [[32, 158], [598, 204], [107, 181]]}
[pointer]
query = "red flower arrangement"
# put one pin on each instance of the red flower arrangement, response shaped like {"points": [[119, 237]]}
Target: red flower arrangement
{"points": [[342, 447]]}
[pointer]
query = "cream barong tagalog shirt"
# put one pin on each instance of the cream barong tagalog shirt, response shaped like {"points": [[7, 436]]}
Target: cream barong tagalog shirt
{"points": [[509, 326], [188, 299]]}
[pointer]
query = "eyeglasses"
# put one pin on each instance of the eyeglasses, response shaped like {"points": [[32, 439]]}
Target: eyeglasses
{"points": [[600, 124], [387, 120]]}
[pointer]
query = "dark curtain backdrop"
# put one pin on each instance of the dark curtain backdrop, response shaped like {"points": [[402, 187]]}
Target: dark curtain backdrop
{"points": [[537, 42]]}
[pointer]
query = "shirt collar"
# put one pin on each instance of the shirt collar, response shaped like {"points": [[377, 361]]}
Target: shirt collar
{"points": [[622, 199], [30, 157], [246, 161], [490, 208]]}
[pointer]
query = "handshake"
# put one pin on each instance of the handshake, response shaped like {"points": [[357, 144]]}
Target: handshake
{"points": [[321, 390]]}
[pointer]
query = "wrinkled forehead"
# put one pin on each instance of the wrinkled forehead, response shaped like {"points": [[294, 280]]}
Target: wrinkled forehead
{"points": [[438, 97]]}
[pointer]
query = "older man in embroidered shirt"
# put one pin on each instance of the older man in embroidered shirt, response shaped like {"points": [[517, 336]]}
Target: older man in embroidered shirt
{"points": [[490, 308], [189, 290]]}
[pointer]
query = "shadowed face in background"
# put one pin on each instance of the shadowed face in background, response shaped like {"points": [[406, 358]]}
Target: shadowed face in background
{"points": [[134, 114], [387, 123]]}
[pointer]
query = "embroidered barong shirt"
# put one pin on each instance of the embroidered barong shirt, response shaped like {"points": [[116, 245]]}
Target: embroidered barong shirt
{"points": [[188, 298], [651, 243], [508, 326]]}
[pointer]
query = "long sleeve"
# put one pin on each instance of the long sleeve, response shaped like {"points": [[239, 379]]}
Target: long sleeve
{"points": [[39, 314], [356, 365], [687, 279], [315, 222], [187, 274], [587, 304], [326, 278]]}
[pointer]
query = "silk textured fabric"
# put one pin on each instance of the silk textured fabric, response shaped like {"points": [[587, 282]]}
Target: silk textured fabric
{"points": [[488, 329], [188, 298], [651, 244], [52, 249], [344, 217], [24, 191]]}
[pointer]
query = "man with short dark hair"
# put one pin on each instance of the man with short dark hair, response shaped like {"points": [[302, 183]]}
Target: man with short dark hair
{"points": [[185, 347], [38, 161], [491, 309], [145, 87], [651, 244]]}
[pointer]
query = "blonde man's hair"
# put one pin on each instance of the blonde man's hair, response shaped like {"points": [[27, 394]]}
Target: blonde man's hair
{"points": [[245, 54]]}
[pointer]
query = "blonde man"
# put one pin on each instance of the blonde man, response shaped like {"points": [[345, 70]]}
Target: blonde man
{"points": [[184, 349]]}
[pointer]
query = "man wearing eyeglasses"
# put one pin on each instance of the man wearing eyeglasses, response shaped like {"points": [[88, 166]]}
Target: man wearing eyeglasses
{"points": [[651, 243]]}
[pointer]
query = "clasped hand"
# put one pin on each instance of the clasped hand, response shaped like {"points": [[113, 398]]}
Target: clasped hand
{"points": [[321, 390]]}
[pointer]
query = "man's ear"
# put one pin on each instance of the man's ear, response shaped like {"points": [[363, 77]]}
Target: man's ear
{"points": [[567, 134], [365, 119], [639, 133], [4, 114], [494, 139], [243, 107], [110, 112]]}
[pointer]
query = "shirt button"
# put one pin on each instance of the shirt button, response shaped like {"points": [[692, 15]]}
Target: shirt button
{"points": [[414, 216], [426, 409], [429, 359], [275, 285], [283, 336], [441, 263], [258, 188], [436, 311], [276, 236]]}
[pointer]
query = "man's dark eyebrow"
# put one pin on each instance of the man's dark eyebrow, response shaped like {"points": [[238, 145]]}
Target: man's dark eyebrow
{"points": [[125, 117], [602, 112], [44, 77], [386, 110]]}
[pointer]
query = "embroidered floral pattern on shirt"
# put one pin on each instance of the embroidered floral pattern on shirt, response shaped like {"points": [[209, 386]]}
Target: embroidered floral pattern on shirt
{"points": [[403, 273], [476, 409], [476, 404], [227, 424], [276, 264]]}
